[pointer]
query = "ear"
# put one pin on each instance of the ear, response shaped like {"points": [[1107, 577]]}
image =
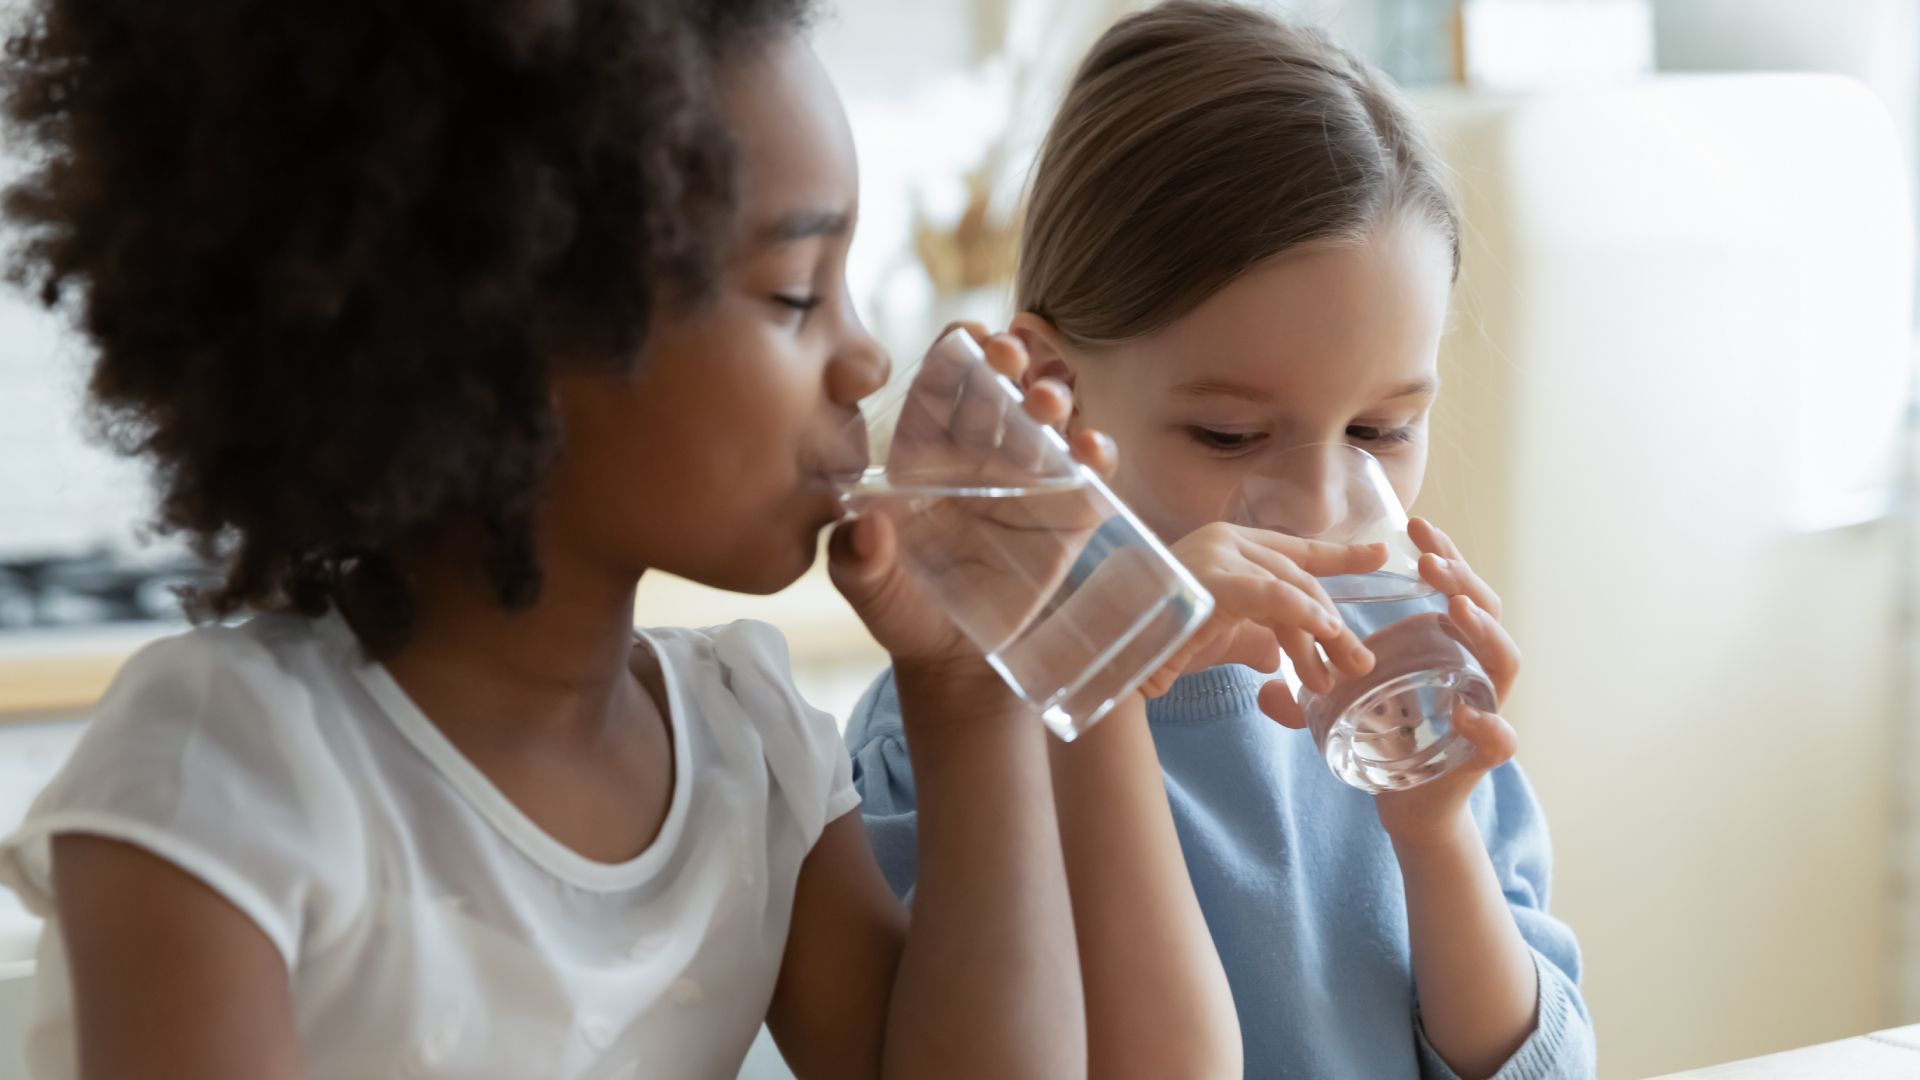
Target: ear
{"points": [[1047, 352]]}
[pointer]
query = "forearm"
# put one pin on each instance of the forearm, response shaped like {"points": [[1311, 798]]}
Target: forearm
{"points": [[1478, 987], [989, 980], [1158, 1004]]}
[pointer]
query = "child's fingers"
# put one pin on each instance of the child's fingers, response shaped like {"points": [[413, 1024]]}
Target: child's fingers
{"points": [[1277, 702], [1296, 620], [1307, 663], [859, 551], [1448, 564], [1249, 645], [1049, 402], [1489, 642], [1270, 602], [975, 330], [1006, 354], [1278, 605], [1254, 550], [1095, 450], [1198, 652], [1493, 739], [862, 565], [1455, 577], [1343, 647], [979, 425], [1223, 640], [948, 393], [1431, 538], [1425, 536], [1159, 682], [1318, 558]]}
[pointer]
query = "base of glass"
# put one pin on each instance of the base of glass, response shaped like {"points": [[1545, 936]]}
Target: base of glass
{"points": [[1121, 667], [1399, 735]]}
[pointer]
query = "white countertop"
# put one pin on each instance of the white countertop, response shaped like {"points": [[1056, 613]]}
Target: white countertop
{"points": [[1884, 1055]]}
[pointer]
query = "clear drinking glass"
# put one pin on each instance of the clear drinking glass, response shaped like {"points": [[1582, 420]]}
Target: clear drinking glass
{"points": [[1073, 601], [1391, 729]]}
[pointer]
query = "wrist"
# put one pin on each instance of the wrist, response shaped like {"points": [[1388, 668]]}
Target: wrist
{"points": [[952, 686], [1444, 834], [947, 674], [1127, 714]]}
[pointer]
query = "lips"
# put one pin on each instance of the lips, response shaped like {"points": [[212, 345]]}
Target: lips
{"points": [[843, 459]]}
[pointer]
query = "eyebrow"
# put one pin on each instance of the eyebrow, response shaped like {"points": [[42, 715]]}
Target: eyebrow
{"points": [[1425, 386], [1205, 388], [804, 225]]}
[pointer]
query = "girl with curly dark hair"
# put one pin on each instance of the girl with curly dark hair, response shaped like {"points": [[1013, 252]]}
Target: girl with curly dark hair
{"points": [[442, 321]]}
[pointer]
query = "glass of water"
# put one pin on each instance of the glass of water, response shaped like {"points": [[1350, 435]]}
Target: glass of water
{"points": [[1392, 728], [1072, 600]]}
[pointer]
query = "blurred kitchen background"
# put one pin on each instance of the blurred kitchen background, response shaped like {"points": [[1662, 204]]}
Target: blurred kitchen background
{"points": [[1676, 434]]}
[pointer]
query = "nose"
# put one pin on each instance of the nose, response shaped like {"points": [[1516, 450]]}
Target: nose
{"points": [[858, 368], [1319, 505], [1304, 493]]}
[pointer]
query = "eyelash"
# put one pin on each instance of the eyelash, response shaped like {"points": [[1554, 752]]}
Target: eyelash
{"points": [[1224, 442], [800, 305], [1387, 437], [1232, 442]]}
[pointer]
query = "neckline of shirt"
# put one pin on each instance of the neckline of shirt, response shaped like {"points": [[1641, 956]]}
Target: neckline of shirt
{"points": [[1218, 693], [492, 804]]}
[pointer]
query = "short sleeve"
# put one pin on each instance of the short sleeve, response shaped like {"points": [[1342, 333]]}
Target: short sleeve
{"points": [[805, 755], [205, 753]]}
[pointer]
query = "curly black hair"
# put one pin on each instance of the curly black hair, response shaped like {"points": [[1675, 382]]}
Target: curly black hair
{"points": [[327, 253]]}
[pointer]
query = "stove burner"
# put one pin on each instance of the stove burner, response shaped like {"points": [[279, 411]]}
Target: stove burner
{"points": [[93, 589]]}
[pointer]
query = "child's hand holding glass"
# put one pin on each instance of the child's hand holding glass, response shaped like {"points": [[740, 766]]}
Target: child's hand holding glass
{"points": [[981, 533], [1267, 600], [958, 440], [1432, 811]]}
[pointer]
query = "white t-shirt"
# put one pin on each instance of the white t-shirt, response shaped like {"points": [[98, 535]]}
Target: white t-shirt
{"points": [[429, 927]]}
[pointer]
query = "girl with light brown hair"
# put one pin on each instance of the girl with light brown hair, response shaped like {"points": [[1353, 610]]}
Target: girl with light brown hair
{"points": [[1238, 242]]}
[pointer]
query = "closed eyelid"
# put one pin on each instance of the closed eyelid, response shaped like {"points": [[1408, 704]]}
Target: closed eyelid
{"points": [[1383, 434], [1238, 431]]}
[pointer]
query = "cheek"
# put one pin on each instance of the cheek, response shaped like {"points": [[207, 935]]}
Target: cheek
{"points": [[1407, 474], [1163, 477], [1174, 489], [717, 446], [742, 424]]}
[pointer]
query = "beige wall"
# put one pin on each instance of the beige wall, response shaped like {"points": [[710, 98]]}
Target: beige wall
{"points": [[1650, 285]]}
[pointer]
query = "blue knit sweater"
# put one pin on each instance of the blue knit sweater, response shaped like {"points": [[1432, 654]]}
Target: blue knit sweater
{"points": [[1298, 883]]}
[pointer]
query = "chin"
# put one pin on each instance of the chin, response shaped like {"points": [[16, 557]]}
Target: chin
{"points": [[768, 568], [776, 551], [775, 578]]}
